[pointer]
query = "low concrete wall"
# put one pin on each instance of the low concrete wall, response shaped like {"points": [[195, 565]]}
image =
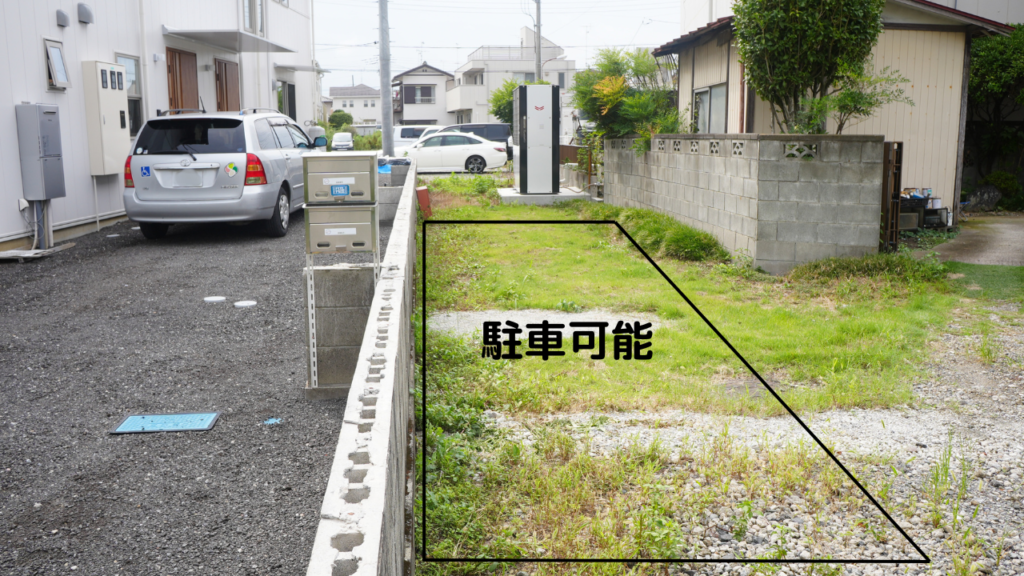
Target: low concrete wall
{"points": [[342, 294], [362, 527], [781, 199], [571, 177]]}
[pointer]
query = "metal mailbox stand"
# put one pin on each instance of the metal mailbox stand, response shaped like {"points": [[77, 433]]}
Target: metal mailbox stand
{"points": [[342, 216]]}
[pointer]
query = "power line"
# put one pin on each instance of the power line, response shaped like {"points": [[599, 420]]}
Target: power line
{"points": [[598, 46]]}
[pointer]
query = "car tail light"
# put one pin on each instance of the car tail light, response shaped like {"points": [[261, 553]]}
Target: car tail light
{"points": [[254, 173], [499, 149], [129, 182]]}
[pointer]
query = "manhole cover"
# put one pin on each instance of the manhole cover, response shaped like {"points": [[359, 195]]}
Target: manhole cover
{"points": [[137, 423]]}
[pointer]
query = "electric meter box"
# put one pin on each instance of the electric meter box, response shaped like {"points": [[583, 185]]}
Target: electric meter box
{"points": [[340, 178], [334, 229], [42, 160], [535, 122], [106, 116]]}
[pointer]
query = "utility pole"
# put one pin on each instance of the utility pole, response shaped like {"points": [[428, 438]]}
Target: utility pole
{"points": [[537, 44], [386, 102]]}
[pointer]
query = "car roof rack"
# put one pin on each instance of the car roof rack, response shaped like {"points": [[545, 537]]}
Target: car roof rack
{"points": [[245, 111], [167, 112]]}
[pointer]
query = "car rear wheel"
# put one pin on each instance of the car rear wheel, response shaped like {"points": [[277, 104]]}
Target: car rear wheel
{"points": [[277, 226], [153, 230], [476, 164]]}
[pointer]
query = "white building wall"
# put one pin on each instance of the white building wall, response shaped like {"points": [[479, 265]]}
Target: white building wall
{"points": [[371, 113], [116, 30], [496, 72], [438, 111], [23, 69]]}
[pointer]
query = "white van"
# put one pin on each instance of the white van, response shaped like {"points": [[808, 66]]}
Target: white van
{"points": [[409, 134], [342, 141]]}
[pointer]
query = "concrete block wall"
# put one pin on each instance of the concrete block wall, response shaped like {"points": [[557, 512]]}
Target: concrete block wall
{"points": [[342, 297], [362, 528], [781, 199]]}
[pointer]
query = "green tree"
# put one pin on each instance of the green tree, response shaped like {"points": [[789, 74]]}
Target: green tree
{"points": [[627, 93], [339, 118], [856, 95], [501, 99], [995, 92], [797, 49]]}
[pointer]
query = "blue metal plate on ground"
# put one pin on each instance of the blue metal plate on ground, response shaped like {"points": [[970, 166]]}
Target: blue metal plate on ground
{"points": [[166, 423]]}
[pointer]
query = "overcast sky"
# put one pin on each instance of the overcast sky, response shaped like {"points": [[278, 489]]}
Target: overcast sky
{"points": [[444, 32]]}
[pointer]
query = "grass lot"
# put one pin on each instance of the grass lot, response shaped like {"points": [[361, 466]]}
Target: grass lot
{"points": [[493, 496], [834, 334], [990, 282], [832, 341]]}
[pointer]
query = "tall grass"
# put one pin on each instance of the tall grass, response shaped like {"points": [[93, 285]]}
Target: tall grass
{"points": [[898, 267], [658, 234]]}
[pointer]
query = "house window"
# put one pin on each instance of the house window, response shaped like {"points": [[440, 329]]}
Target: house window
{"points": [[252, 14], [344, 103], [525, 76], [373, 103], [709, 109], [351, 103], [419, 95], [134, 90], [561, 80], [286, 98], [57, 72], [366, 103]]}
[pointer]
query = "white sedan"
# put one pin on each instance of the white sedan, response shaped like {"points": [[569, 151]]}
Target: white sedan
{"points": [[455, 152]]}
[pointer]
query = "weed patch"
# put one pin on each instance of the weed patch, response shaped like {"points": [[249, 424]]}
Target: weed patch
{"points": [[657, 234], [898, 268]]}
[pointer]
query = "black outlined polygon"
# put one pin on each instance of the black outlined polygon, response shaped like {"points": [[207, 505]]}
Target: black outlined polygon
{"points": [[925, 559]]}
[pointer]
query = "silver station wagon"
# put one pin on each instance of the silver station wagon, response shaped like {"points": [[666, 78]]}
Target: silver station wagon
{"points": [[216, 167]]}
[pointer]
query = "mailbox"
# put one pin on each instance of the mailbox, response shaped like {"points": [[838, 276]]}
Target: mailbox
{"points": [[334, 229], [340, 177]]}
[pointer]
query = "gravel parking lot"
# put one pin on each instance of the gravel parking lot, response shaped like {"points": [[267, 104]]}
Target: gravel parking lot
{"points": [[118, 325]]}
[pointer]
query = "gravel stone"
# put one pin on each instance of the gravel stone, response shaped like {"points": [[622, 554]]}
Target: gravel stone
{"points": [[115, 326]]}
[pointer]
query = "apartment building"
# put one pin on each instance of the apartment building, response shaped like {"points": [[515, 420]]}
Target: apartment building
{"points": [[488, 67], [213, 54]]}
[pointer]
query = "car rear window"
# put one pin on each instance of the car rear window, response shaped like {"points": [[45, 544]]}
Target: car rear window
{"points": [[498, 132], [412, 132], [196, 135]]}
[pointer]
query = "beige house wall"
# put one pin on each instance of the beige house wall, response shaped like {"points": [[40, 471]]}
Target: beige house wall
{"points": [[709, 68], [930, 130], [931, 60], [686, 65], [735, 91]]}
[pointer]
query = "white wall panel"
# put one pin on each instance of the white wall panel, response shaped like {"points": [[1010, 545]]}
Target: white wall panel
{"points": [[118, 29]]}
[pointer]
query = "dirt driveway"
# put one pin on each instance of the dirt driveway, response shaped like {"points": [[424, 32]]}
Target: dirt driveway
{"points": [[987, 240], [118, 325]]}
